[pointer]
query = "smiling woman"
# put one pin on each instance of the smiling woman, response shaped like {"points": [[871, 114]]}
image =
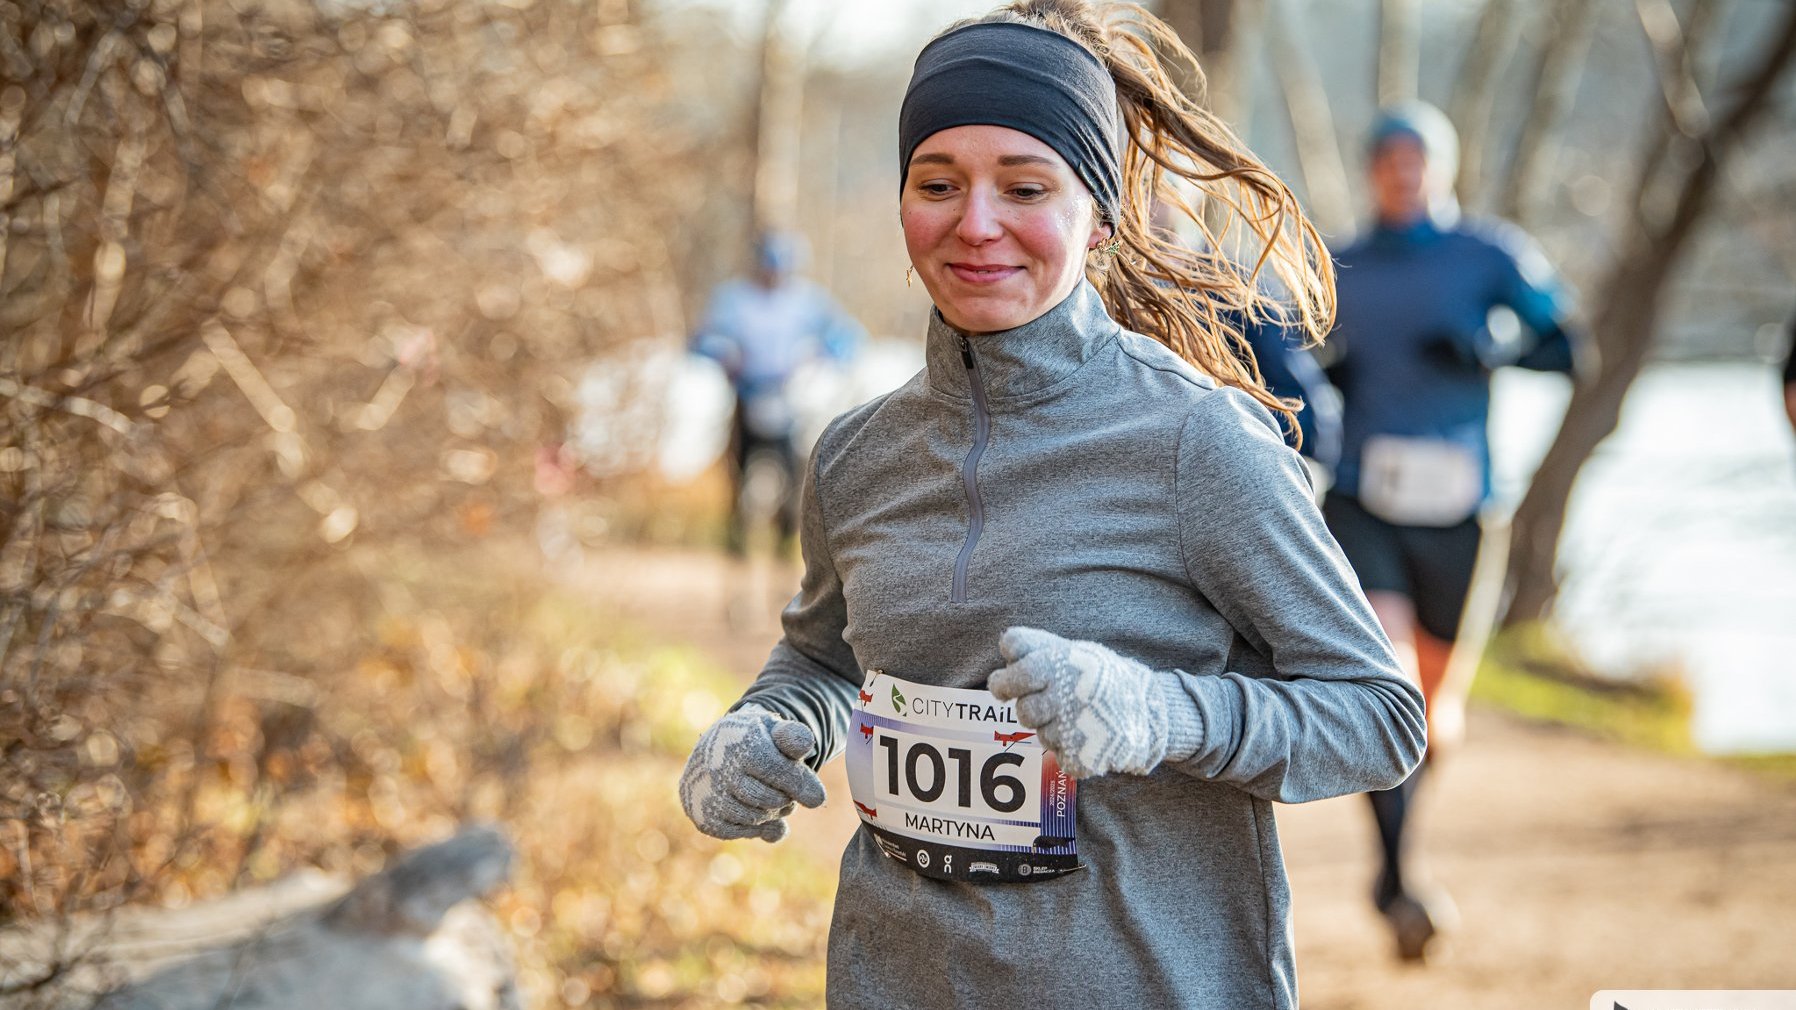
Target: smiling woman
{"points": [[1069, 608], [997, 226]]}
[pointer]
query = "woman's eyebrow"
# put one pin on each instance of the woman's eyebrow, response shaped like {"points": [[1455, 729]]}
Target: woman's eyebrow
{"points": [[1007, 161]]}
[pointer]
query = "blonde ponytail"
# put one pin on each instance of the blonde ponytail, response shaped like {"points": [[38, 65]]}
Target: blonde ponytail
{"points": [[1263, 261]]}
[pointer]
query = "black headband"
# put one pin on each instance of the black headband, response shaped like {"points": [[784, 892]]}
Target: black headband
{"points": [[1025, 78]]}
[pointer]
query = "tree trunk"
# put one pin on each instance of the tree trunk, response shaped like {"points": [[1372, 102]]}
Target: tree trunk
{"points": [[1312, 122], [1399, 50], [1203, 25], [1624, 327], [1677, 50], [1474, 91], [776, 126], [1223, 34], [1555, 85], [1623, 334]]}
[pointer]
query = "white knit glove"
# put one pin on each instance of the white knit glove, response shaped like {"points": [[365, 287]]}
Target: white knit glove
{"points": [[1098, 711], [746, 773]]}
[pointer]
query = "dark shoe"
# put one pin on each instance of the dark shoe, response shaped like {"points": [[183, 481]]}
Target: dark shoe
{"points": [[1412, 926], [1418, 922]]}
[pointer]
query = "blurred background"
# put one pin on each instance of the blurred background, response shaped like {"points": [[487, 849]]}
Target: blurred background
{"points": [[356, 481]]}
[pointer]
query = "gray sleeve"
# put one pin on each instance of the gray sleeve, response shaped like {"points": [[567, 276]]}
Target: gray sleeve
{"points": [[811, 675], [1337, 715]]}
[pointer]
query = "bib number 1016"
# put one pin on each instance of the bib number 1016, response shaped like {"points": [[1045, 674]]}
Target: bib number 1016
{"points": [[927, 771]]}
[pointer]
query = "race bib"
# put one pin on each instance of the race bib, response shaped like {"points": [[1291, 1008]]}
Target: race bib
{"points": [[1419, 481], [951, 785]]}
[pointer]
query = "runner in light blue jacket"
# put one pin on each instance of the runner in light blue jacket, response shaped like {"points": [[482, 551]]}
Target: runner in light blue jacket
{"points": [[1069, 606]]}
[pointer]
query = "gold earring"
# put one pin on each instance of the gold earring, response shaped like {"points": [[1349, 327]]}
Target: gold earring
{"points": [[1109, 247], [909, 273]]}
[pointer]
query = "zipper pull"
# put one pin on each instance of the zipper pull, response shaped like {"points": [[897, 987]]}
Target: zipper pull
{"points": [[966, 352]]}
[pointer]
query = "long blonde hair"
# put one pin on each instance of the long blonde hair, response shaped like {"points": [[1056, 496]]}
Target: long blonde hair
{"points": [[1190, 296]]}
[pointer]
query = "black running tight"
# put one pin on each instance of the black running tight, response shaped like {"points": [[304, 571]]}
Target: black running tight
{"points": [[1391, 809]]}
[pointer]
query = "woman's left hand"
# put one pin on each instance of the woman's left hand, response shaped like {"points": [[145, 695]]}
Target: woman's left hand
{"points": [[1098, 711]]}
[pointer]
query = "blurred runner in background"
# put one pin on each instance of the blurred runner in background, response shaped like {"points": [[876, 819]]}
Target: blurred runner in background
{"points": [[1287, 368], [1790, 375], [1420, 327], [1290, 372], [762, 329]]}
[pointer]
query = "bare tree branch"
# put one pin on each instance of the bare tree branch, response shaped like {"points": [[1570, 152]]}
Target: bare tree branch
{"points": [[1673, 65], [1555, 85], [79, 406], [1474, 92], [1399, 50], [1312, 122], [1625, 327]]}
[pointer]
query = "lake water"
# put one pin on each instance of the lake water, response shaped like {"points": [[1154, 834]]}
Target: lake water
{"points": [[1680, 549], [1680, 546]]}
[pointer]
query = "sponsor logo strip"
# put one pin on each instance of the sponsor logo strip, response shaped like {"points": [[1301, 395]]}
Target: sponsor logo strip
{"points": [[946, 861]]}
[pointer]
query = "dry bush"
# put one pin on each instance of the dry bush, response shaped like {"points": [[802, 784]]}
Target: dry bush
{"points": [[293, 296]]}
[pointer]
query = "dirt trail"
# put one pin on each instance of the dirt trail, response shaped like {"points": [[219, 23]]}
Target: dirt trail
{"points": [[1577, 865]]}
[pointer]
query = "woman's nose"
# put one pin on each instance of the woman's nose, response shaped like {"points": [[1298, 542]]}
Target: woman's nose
{"points": [[979, 219]]}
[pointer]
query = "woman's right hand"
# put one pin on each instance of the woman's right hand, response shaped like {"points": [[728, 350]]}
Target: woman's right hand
{"points": [[747, 772]]}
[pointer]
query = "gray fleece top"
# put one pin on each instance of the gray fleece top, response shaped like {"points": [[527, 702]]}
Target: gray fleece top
{"points": [[1077, 477]]}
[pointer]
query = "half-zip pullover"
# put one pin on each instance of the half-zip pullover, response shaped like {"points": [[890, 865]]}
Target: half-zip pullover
{"points": [[970, 470], [1080, 478]]}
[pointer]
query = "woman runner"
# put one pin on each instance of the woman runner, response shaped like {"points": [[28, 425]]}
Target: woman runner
{"points": [[1068, 604]]}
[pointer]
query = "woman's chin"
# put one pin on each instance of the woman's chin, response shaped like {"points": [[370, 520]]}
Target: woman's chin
{"points": [[985, 315], [980, 325]]}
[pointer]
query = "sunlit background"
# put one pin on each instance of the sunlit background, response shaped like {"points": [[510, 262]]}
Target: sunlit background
{"points": [[356, 482]]}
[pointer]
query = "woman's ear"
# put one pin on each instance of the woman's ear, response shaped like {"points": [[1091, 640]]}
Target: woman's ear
{"points": [[1100, 233]]}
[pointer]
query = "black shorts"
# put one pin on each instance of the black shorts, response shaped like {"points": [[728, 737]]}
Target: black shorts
{"points": [[1430, 565]]}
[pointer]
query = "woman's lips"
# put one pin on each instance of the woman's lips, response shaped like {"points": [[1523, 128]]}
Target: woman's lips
{"points": [[977, 274]]}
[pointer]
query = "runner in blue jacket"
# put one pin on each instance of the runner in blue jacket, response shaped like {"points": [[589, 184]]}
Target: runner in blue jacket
{"points": [[1790, 375], [1291, 373], [1418, 334], [1069, 607]]}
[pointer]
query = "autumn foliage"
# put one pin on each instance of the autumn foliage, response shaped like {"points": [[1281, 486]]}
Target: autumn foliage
{"points": [[294, 297]]}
